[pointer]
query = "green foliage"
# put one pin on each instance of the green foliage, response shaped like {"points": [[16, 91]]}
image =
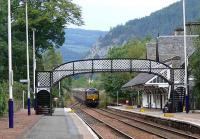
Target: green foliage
{"points": [[112, 82], [51, 59], [66, 84], [87, 81], [80, 82], [17, 94], [3, 98], [104, 100], [49, 18], [18, 58], [195, 68], [96, 82], [65, 93], [132, 49], [3, 20]]}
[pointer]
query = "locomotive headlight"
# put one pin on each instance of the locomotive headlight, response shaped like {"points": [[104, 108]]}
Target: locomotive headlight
{"points": [[93, 99]]}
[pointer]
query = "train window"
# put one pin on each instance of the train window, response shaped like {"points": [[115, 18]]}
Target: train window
{"points": [[91, 92]]}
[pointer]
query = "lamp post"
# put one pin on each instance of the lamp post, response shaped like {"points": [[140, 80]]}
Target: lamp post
{"points": [[186, 61], [34, 65], [27, 55], [59, 86], [117, 98], [10, 102]]}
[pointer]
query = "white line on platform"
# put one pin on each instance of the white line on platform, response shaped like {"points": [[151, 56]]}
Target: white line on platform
{"points": [[90, 130]]}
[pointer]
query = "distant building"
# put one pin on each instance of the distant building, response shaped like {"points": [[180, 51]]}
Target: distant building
{"points": [[169, 50]]}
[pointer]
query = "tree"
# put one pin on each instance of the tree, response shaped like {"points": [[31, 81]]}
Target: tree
{"points": [[49, 18], [114, 81], [51, 59], [133, 49], [3, 20], [195, 68]]}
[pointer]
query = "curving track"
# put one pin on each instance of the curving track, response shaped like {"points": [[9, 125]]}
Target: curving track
{"points": [[101, 128], [150, 127], [112, 124], [117, 128]]}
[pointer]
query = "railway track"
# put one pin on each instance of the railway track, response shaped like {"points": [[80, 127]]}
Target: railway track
{"points": [[101, 128], [152, 128]]}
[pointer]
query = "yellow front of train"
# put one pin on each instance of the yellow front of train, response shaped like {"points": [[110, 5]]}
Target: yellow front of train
{"points": [[92, 97]]}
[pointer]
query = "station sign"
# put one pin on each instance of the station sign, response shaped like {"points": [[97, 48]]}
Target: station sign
{"points": [[24, 81]]}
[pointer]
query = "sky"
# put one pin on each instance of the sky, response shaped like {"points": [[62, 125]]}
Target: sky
{"points": [[104, 14]]}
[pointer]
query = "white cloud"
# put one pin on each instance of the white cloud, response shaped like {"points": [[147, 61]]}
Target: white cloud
{"points": [[103, 14]]}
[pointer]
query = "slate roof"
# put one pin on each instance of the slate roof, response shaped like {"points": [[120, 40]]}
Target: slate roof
{"points": [[140, 79], [171, 46]]}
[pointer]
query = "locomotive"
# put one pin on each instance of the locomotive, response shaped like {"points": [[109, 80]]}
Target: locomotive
{"points": [[90, 96]]}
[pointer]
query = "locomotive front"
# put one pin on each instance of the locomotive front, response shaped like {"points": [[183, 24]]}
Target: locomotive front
{"points": [[92, 97]]}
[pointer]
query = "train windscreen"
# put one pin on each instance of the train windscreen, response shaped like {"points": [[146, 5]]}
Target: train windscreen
{"points": [[91, 92]]}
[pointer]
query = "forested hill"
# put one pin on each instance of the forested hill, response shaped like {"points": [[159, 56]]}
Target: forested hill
{"points": [[78, 42], [163, 22]]}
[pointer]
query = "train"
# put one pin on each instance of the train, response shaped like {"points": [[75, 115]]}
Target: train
{"points": [[43, 101], [89, 96]]}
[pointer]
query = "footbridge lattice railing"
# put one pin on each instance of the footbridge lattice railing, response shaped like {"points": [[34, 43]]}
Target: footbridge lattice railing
{"points": [[49, 78]]}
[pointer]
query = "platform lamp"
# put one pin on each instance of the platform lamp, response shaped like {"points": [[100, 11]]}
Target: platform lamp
{"points": [[34, 65], [10, 102], [186, 62], [21, 3], [59, 86]]}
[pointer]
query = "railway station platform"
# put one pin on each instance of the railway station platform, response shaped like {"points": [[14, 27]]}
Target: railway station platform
{"points": [[190, 121], [63, 124]]}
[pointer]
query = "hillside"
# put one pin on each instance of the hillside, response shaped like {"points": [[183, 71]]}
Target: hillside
{"points": [[78, 42], [163, 22]]}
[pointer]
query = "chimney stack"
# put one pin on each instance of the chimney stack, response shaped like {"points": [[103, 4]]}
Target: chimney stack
{"points": [[178, 31]]}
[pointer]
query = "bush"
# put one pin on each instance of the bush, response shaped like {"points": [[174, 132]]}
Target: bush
{"points": [[104, 100], [4, 96]]}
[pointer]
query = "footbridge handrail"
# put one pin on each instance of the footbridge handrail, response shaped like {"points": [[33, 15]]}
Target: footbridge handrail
{"points": [[49, 78]]}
